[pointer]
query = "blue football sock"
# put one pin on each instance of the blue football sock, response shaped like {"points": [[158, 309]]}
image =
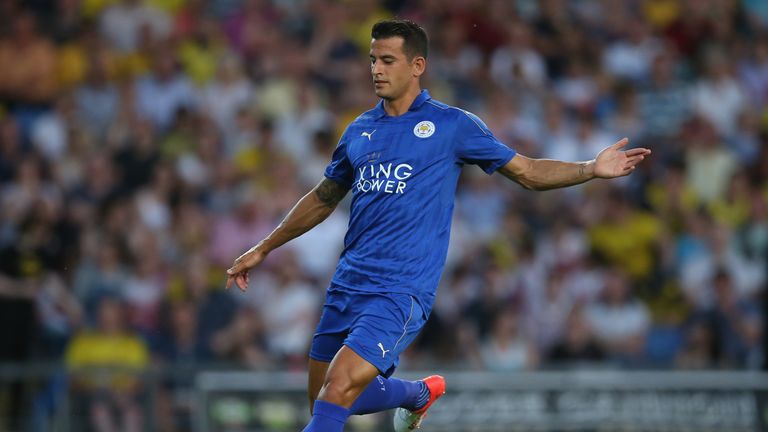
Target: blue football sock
{"points": [[422, 399], [327, 417], [387, 393]]}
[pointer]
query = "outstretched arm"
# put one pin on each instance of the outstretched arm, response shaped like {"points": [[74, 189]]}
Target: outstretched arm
{"points": [[544, 174], [311, 209]]}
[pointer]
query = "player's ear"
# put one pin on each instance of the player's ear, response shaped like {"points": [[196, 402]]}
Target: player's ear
{"points": [[418, 65]]}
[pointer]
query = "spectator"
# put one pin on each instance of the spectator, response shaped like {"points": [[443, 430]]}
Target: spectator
{"points": [[631, 55], [619, 321], [672, 198], [558, 137], [733, 208], [51, 131], [738, 325], [506, 348], [138, 156], [458, 62], [546, 313], [27, 77], [626, 120], [517, 61], [481, 204], [718, 97], [578, 345], [100, 273], [31, 188], [105, 362], [627, 237], [162, 92], [578, 87], [215, 309], [243, 342], [720, 253], [180, 348], [97, 99], [200, 52], [24, 264], [99, 183], [591, 138], [699, 350], [753, 72], [122, 24], [180, 343], [145, 290], [231, 91], [10, 149], [744, 142], [664, 103], [289, 308], [60, 314]]}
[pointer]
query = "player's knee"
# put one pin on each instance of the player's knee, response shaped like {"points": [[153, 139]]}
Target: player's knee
{"points": [[338, 389]]}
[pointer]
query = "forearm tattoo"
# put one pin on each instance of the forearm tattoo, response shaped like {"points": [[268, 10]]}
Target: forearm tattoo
{"points": [[330, 193]]}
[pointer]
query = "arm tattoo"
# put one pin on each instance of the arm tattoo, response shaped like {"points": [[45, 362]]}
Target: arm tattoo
{"points": [[330, 193], [581, 169]]}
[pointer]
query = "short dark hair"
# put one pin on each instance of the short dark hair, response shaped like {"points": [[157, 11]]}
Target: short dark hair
{"points": [[415, 41]]}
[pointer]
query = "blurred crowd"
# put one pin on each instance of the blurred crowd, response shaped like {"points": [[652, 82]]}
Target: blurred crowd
{"points": [[144, 144]]}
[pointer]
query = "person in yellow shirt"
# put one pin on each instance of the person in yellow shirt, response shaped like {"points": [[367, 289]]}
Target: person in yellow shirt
{"points": [[105, 362], [362, 15], [201, 53], [627, 238], [661, 13], [672, 198], [733, 208]]}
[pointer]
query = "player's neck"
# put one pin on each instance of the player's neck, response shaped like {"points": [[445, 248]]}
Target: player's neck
{"points": [[401, 105]]}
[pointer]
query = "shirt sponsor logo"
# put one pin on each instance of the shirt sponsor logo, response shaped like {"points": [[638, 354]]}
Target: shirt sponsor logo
{"points": [[383, 177]]}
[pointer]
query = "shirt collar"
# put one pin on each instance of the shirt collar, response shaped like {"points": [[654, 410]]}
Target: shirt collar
{"points": [[417, 103], [420, 99]]}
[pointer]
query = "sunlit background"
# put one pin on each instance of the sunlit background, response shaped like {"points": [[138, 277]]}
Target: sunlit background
{"points": [[146, 144]]}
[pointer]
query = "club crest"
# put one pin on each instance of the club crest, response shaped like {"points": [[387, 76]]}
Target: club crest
{"points": [[424, 129]]}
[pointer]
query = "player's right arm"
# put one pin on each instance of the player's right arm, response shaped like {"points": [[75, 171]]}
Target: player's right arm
{"points": [[311, 209]]}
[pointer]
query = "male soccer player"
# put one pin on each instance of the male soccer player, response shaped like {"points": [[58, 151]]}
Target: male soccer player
{"points": [[402, 161]]}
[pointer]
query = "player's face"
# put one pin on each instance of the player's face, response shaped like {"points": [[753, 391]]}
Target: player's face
{"points": [[393, 73]]}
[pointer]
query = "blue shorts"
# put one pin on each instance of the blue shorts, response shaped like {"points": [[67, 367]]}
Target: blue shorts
{"points": [[378, 327]]}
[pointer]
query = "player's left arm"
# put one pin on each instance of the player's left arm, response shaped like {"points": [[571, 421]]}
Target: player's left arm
{"points": [[544, 174]]}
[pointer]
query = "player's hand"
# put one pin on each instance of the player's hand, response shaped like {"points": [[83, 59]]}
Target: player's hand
{"points": [[613, 162], [238, 273]]}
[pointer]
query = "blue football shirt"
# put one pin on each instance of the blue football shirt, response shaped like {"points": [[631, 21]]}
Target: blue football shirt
{"points": [[403, 173]]}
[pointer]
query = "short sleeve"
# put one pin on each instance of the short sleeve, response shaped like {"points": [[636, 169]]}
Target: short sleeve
{"points": [[340, 168], [475, 144]]}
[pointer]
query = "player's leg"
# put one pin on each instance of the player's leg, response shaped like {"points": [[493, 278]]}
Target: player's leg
{"points": [[386, 393], [332, 330], [383, 330], [317, 371], [377, 329], [353, 385], [380, 395], [347, 376]]}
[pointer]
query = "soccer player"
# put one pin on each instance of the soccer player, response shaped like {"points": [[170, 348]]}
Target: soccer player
{"points": [[402, 161]]}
